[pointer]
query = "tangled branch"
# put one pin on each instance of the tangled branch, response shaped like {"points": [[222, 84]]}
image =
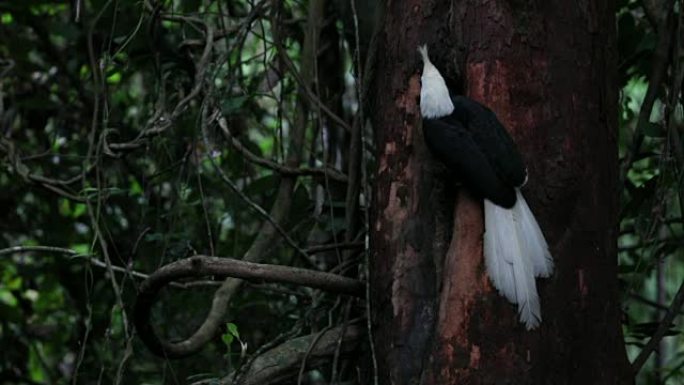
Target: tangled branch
{"points": [[200, 266]]}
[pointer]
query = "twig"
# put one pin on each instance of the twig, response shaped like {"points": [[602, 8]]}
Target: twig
{"points": [[672, 128], [648, 302], [338, 348], [655, 243], [363, 86], [302, 83], [102, 264], [163, 122], [312, 345], [334, 246], [53, 185], [663, 327], [253, 205], [280, 168], [241, 375], [656, 77], [49, 249], [225, 32], [204, 203]]}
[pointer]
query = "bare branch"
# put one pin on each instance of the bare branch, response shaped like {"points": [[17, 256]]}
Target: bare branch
{"points": [[302, 83], [282, 169], [102, 264], [253, 205], [57, 186], [334, 246], [163, 122], [659, 67], [48, 249], [199, 266]]}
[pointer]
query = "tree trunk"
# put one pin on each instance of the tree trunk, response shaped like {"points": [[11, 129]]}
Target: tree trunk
{"points": [[548, 71]]}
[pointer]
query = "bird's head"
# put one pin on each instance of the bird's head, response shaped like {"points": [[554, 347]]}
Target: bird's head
{"points": [[435, 101]]}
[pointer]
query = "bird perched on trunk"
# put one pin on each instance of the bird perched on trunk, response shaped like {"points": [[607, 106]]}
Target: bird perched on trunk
{"points": [[469, 139]]}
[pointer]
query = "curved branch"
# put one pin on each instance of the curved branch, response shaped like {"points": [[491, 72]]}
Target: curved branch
{"points": [[57, 186], [102, 264], [200, 265]]}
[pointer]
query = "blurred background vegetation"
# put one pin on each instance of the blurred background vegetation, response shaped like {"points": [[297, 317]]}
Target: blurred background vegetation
{"points": [[137, 133]]}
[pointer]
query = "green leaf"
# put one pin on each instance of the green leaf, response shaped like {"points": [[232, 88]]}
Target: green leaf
{"points": [[134, 187], [13, 283], [8, 298], [233, 329], [81, 248], [36, 370], [6, 18], [227, 339], [114, 78], [64, 207], [79, 210]]}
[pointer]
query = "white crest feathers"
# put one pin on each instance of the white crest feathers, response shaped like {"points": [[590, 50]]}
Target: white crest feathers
{"points": [[435, 101]]}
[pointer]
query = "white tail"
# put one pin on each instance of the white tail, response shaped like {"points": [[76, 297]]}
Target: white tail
{"points": [[515, 252], [534, 242]]}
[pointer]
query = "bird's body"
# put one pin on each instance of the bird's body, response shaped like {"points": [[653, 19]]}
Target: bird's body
{"points": [[469, 139]]}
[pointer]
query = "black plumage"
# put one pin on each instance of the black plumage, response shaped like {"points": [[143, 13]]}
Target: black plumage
{"points": [[472, 142]]}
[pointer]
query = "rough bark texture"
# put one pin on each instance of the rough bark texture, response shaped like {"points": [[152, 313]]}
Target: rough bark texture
{"points": [[547, 70]]}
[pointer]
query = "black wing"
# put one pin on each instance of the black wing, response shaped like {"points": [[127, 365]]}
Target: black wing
{"points": [[455, 146], [491, 136]]}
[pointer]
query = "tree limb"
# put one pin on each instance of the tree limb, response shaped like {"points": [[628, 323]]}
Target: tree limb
{"points": [[284, 360], [659, 67], [199, 266]]}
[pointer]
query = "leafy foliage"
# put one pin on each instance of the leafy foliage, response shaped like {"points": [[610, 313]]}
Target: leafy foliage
{"points": [[109, 153], [651, 227]]}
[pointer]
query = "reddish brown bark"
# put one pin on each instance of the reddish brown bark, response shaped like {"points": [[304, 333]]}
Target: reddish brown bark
{"points": [[547, 70]]}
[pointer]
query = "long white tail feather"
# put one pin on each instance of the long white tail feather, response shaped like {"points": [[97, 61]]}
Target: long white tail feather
{"points": [[515, 252], [497, 249], [533, 239], [526, 292]]}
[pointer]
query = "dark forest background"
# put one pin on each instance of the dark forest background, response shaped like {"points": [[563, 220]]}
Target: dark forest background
{"points": [[137, 134]]}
